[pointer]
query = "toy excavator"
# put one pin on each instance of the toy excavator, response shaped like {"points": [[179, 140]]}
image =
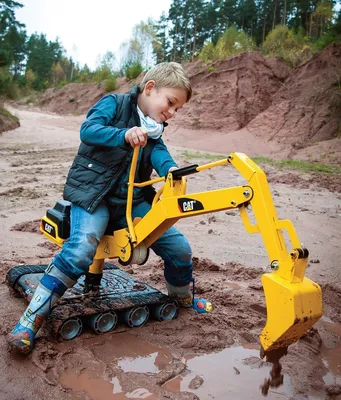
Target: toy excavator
{"points": [[107, 294]]}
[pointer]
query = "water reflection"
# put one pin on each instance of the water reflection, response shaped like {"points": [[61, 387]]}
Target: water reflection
{"points": [[130, 368]]}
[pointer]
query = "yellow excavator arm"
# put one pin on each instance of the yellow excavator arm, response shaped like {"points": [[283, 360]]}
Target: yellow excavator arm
{"points": [[293, 302]]}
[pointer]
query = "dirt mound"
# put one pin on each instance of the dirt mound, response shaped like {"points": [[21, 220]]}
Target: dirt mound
{"points": [[300, 107], [331, 182], [331, 300], [29, 226], [230, 93], [22, 192], [307, 108], [242, 86], [72, 98], [7, 120], [77, 98]]}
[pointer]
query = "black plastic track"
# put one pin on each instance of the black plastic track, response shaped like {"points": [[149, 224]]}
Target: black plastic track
{"points": [[16, 272]]}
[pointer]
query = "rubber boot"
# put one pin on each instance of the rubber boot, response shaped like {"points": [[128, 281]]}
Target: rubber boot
{"points": [[51, 287], [186, 299]]}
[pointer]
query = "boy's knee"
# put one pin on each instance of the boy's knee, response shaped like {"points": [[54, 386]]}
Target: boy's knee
{"points": [[86, 252], [77, 257], [184, 251]]}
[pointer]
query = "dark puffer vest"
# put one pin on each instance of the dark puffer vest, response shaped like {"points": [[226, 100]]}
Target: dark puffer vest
{"points": [[96, 169]]}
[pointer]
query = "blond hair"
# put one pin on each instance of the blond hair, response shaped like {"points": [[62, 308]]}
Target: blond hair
{"points": [[168, 74]]}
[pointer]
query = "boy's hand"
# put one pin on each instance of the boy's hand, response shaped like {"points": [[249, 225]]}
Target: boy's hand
{"points": [[136, 136]]}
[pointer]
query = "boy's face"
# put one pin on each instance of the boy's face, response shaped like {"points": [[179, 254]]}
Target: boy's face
{"points": [[162, 103]]}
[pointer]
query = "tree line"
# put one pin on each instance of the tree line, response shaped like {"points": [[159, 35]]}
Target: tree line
{"points": [[191, 30], [193, 24]]}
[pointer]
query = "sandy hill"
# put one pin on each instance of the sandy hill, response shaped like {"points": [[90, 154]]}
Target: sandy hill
{"points": [[307, 108], [299, 108]]}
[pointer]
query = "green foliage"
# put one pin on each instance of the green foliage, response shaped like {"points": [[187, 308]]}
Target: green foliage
{"points": [[101, 74], [5, 79], [83, 75], [231, 42], [110, 85], [321, 19], [8, 87], [322, 42], [62, 83], [132, 71], [42, 55], [198, 25], [208, 52], [285, 43], [105, 70], [30, 78], [12, 37]]}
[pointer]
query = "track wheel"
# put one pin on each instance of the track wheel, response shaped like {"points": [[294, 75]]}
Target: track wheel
{"points": [[71, 328], [140, 255], [136, 316], [104, 322], [165, 311]]}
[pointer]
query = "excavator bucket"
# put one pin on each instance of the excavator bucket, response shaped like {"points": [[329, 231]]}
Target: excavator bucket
{"points": [[292, 309]]}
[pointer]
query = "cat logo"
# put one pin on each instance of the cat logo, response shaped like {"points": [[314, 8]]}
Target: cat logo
{"points": [[188, 205], [48, 228]]}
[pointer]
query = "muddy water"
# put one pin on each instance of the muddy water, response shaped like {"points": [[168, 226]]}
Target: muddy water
{"points": [[234, 373], [331, 356]]}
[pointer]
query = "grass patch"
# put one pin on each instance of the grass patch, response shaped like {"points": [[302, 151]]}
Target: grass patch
{"points": [[296, 165], [7, 114], [304, 166], [190, 155]]}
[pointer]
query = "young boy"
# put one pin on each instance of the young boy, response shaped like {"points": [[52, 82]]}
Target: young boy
{"points": [[97, 188]]}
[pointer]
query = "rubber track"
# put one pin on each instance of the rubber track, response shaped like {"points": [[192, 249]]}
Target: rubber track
{"points": [[16, 272]]}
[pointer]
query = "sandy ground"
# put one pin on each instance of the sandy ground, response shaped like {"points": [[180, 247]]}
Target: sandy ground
{"points": [[214, 356]]}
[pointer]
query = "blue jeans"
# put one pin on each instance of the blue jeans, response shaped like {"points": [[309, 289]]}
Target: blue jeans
{"points": [[87, 229]]}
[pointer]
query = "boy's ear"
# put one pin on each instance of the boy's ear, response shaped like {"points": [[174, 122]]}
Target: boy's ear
{"points": [[149, 86]]}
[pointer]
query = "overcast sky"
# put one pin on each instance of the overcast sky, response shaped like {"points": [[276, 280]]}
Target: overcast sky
{"points": [[87, 28]]}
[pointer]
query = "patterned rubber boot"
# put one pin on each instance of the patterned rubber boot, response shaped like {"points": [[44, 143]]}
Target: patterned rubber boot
{"points": [[186, 299], [51, 287]]}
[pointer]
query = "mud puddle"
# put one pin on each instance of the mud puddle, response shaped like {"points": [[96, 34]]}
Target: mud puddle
{"points": [[235, 372], [126, 367], [331, 356]]}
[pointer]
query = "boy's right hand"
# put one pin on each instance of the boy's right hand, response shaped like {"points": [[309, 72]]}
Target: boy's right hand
{"points": [[136, 136]]}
